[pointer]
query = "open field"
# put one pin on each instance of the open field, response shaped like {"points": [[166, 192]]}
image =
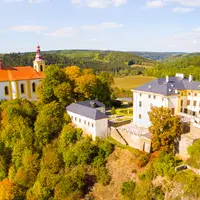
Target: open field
{"points": [[130, 82]]}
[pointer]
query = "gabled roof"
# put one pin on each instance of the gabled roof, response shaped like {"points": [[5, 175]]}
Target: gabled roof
{"points": [[86, 111], [89, 103], [160, 86], [19, 73]]}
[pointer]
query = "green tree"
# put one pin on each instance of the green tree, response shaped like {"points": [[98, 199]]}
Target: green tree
{"points": [[165, 128], [54, 76], [48, 124], [194, 152], [64, 94], [72, 186]]}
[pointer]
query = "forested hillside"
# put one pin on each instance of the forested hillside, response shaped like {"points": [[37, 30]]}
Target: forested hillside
{"points": [[187, 64], [99, 60]]}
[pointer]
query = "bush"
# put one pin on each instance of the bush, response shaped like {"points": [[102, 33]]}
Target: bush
{"points": [[142, 160], [113, 111], [194, 152], [165, 164], [102, 175], [127, 190]]}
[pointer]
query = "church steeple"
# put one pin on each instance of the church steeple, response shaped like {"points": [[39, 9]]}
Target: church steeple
{"points": [[38, 63]]}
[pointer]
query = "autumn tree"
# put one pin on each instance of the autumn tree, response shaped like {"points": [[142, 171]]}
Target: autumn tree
{"points": [[10, 191], [73, 72], [165, 128]]}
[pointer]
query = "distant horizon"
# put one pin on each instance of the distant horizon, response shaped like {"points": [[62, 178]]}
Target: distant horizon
{"points": [[82, 49]]}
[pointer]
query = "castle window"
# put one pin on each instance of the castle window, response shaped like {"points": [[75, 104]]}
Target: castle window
{"points": [[22, 88], [41, 68], [33, 87], [140, 104], [195, 103], [188, 102], [6, 90], [140, 116]]}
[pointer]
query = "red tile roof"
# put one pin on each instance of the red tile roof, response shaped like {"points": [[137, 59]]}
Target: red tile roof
{"points": [[19, 73]]}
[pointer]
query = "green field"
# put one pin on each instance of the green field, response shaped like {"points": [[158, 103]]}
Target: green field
{"points": [[130, 82]]}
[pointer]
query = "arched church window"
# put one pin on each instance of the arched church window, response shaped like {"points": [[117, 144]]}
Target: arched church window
{"points": [[6, 90], [41, 68], [22, 88], [33, 87]]}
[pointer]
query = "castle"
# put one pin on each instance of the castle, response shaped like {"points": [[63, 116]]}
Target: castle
{"points": [[21, 81]]}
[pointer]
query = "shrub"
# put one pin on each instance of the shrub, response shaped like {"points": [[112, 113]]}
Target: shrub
{"points": [[113, 111], [102, 175], [165, 164], [127, 190], [142, 160]]}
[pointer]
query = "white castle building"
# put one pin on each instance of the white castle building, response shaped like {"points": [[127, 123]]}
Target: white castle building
{"points": [[179, 94]]}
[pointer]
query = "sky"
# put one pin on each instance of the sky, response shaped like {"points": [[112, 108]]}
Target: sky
{"points": [[125, 25]]}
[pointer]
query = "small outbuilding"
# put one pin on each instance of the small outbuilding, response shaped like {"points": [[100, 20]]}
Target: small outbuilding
{"points": [[89, 116]]}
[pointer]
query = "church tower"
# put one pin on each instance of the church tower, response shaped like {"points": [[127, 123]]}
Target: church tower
{"points": [[38, 63]]}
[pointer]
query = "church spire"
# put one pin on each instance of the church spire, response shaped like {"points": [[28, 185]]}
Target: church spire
{"points": [[38, 63], [38, 56]]}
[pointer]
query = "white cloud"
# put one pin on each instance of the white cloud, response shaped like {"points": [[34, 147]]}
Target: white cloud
{"points": [[155, 3], [182, 10], [63, 32], [36, 29], [185, 2], [70, 31], [102, 26], [29, 1], [190, 4], [99, 3]]}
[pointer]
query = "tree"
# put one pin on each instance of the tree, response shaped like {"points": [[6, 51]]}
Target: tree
{"points": [[54, 76], [85, 86], [194, 152], [64, 94], [26, 175], [10, 191], [48, 124], [73, 72], [72, 185], [165, 128]]}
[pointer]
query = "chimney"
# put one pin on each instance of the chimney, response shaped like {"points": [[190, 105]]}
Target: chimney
{"points": [[190, 78], [167, 79], [1, 64], [93, 104]]}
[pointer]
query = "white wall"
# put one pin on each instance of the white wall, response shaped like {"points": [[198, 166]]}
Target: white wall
{"points": [[99, 129], [33, 94], [102, 128], [147, 100], [25, 95], [2, 91]]}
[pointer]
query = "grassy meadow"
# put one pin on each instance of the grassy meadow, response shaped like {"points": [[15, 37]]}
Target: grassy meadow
{"points": [[130, 82]]}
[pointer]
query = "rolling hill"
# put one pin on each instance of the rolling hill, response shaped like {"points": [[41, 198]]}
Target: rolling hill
{"points": [[99, 60]]}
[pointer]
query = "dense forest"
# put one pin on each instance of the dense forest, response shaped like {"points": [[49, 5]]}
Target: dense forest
{"points": [[42, 156], [98, 60], [187, 64]]}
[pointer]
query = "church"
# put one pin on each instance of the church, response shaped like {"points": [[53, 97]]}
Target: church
{"points": [[22, 81]]}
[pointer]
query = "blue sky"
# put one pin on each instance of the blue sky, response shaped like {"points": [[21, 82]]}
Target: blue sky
{"points": [[128, 25]]}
